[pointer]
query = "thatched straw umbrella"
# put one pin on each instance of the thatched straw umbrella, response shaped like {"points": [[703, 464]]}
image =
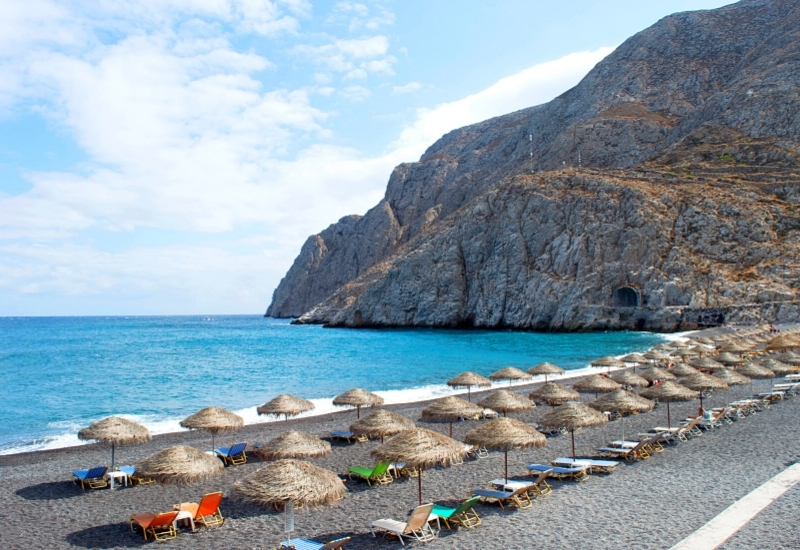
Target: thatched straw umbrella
{"points": [[728, 358], [634, 358], [669, 391], [682, 369], [608, 361], [701, 383], [654, 373], [595, 384], [290, 481], [545, 369], [779, 368], [468, 380], [705, 363], [510, 374], [381, 424], [293, 444], [180, 465], [287, 405], [755, 372], [624, 402], [683, 353], [554, 394], [450, 409], [630, 379], [734, 347], [214, 420], [705, 340], [783, 342], [654, 355], [506, 434], [731, 377], [505, 401], [115, 430], [572, 416], [358, 398], [420, 449], [789, 358]]}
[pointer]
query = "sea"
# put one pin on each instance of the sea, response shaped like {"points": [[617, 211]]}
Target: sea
{"points": [[60, 374]]}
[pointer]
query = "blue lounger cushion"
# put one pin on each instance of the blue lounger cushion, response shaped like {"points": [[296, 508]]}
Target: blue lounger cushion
{"points": [[305, 544], [127, 470], [231, 451], [556, 469], [491, 493], [342, 433], [93, 473]]}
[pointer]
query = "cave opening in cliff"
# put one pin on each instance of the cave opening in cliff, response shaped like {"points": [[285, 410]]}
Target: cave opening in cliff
{"points": [[625, 297]]}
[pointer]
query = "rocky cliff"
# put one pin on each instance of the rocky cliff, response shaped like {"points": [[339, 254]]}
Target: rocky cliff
{"points": [[682, 210]]}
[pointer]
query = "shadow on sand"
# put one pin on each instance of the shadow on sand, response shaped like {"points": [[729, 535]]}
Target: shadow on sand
{"points": [[53, 490]]}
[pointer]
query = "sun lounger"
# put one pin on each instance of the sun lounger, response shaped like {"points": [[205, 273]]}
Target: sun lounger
{"points": [[232, 455], [348, 436], [379, 474], [574, 473], [417, 527], [595, 466], [207, 511], [94, 478], [643, 449], [518, 498], [476, 451], [465, 515], [130, 471], [160, 526], [303, 544]]}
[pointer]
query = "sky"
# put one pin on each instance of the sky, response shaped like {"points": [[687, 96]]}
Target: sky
{"points": [[163, 157]]}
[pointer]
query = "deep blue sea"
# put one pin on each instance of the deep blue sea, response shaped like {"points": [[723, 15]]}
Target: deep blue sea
{"points": [[62, 373]]}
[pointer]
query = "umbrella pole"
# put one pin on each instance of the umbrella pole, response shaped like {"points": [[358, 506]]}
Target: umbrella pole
{"points": [[669, 424], [358, 411], [506, 453], [573, 444], [419, 484], [213, 444], [113, 444], [451, 435], [469, 394], [623, 426]]}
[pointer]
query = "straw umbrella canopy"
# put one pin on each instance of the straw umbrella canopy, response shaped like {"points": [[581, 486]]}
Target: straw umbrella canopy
{"points": [[669, 391], [779, 368], [545, 369], [554, 394], [115, 430], [683, 353], [756, 372], [381, 424], [290, 480], [727, 358], [450, 409], [506, 434], [468, 380], [179, 465], [213, 420], [789, 358], [627, 378], [608, 361], [505, 401], [286, 405], [783, 342], [420, 449], [358, 397], [731, 377], [682, 369], [702, 382], [624, 402], [637, 358], [705, 363], [510, 373], [705, 340], [734, 347], [596, 384], [573, 416], [654, 373], [655, 355], [660, 347], [293, 444]]}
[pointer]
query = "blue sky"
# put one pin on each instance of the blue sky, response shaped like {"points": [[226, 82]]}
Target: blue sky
{"points": [[171, 156]]}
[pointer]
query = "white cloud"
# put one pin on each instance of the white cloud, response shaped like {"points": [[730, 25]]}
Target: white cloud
{"points": [[532, 86], [360, 16], [355, 93], [182, 137], [406, 88]]}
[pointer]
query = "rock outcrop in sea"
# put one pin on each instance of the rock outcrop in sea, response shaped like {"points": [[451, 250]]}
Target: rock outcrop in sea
{"points": [[681, 214]]}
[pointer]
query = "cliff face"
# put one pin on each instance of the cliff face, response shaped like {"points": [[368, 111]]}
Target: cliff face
{"points": [[464, 237]]}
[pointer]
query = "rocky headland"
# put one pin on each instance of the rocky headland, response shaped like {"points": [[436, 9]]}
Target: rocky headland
{"points": [[680, 213]]}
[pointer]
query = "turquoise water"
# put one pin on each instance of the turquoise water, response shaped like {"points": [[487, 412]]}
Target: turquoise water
{"points": [[60, 374]]}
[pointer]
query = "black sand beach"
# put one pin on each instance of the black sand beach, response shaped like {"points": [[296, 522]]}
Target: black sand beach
{"points": [[651, 503]]}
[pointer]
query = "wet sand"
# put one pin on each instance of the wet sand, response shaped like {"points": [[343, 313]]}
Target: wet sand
{"points": [[651, 503]]}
